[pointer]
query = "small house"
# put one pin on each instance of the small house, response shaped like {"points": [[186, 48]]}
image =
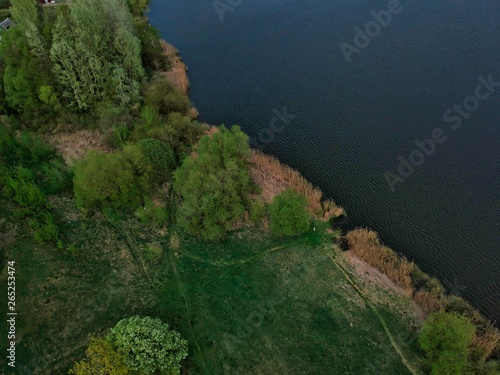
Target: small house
{"points": [[47, 2], [6, 24]]}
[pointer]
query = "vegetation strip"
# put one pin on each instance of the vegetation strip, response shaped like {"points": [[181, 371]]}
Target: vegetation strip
{"points": [[374, 309]]}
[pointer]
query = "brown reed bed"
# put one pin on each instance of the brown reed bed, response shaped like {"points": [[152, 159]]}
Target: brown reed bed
{"points": [[427, 292], [273, 178]]}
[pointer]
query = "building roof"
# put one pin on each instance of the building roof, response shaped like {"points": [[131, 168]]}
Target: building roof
{"points": [[7, 24]]}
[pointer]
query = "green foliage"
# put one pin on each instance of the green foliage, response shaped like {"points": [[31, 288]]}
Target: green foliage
{"points": [[161, 94], [96, 55], [257, 210], [161, 156], [48, 96], [148, 346], [153, 58], [28, 170], [289, 216], [22, 75], [445, 338], [45, 230], [117, 179], [101, 359], [151, 213], [214, 184], [154, 252], [25, 68], [19, 186], [22, 189], [178, 131], [138, 7]]}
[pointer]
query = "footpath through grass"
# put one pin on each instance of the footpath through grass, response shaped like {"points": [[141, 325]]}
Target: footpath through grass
{"points": [[248, 305]]}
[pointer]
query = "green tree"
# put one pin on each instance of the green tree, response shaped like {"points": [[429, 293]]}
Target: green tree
{"points": [[96, 55], [445, 338], [117, 179], [178, 131], [162, 95], [101, 359], [138, 7], [288, 213], [161, 156], [149, 346], [214, 184]]}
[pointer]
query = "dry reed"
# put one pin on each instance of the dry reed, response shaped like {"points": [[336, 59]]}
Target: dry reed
{"points": [[366, 245], [273, 178], [427, 292]]}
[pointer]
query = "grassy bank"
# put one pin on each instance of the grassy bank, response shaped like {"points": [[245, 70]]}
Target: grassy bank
{"points": [[251, 304]]}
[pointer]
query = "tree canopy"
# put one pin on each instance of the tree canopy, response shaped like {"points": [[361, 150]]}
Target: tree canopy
{"points": [[101, 359], [214, 184], [148, 345], [445, 338], [288, 213], [98, 65]]}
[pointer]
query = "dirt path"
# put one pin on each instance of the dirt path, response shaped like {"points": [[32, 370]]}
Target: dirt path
{"points": [[374, 309]]}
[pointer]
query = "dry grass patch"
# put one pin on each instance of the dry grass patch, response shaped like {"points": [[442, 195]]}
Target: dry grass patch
{"points": [[177, 73], [72, 146]]}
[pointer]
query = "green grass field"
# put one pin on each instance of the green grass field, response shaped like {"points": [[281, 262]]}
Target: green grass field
{"points": [[248, 305]]}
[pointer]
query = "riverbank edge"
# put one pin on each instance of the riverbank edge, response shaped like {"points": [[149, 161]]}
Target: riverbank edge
{"points": [[427, 292]]}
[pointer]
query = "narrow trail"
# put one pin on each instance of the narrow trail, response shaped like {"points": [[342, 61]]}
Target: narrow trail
{"points": [[374, 309], [131, 244], [250, 258], [180, 288]]}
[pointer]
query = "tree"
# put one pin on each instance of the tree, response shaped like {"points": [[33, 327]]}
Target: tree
{"points": [[96, 55], [101, 359], [214, 184], [117, 179], [288, 213], [149, 346], [445, 338], [138, 7], [162, 95], [178, 131], [161, 156]]}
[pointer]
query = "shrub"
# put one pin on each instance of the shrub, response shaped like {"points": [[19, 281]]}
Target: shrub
{"points": [[289, 216], [148, 345], [20, 186], [152, 55], [445, 338], [257, 210], [151, 214], [45, 229], [101, 358], [117, 179], [154, 252], [161, 156], [161, 94]]}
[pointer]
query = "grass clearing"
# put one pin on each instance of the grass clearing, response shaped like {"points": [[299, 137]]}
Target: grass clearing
{"points": [[250, 304]]}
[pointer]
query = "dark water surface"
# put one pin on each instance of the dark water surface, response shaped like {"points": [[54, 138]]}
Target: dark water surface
{"points": [[347, 123]]}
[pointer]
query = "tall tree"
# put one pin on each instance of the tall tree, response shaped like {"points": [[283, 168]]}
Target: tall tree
{"points": [[96, 54], [445, 338], [214, 184]]}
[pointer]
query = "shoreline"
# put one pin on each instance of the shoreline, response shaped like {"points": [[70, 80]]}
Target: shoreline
{"points": [[427, 301]]}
